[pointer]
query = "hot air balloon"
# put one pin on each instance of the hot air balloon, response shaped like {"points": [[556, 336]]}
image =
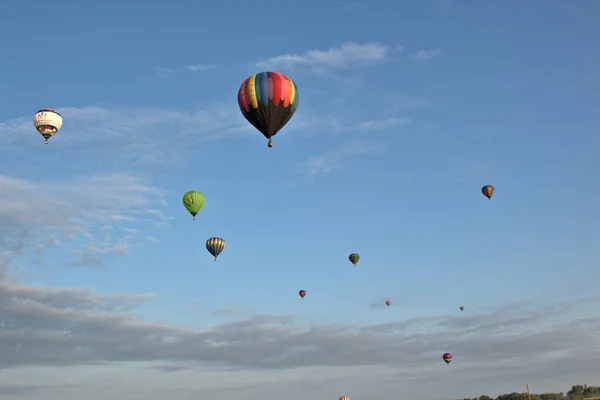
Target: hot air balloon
{"points": [[488, 191], [47, 122], [268, 100], [388, 303], [462, 308], [344, 398], [447, 357], [193, 201], [215, 245], [354, 258], [302, 293]]}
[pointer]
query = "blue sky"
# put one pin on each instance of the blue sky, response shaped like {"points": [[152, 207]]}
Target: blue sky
{"points": [[406, 110]]}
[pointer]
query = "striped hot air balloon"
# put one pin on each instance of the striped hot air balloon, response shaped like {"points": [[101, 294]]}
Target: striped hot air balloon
{"points": [[215, 245], [268, 100]]}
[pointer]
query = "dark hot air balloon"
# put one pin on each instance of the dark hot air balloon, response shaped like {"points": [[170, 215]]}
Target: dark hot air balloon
{"points": [[488, 191], [302, 293], [462, 308], [268, 100], [447, 357], [354, 258], [388, 303], [215, 245]]}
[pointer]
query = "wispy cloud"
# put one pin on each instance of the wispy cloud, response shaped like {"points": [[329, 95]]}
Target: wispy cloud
{"points": [[200, 67], [334, 160], [334, 124], [131, 134], [346, 55], [423, 55], [402, 102], [381, 124], [96, 213], [164, 73]]}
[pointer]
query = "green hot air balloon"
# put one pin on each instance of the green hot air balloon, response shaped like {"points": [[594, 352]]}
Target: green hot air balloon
{"points": [[354, 258], [193, 201]]}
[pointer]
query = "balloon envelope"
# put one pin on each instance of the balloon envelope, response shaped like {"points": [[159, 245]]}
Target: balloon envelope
{"points": [[488, 191], [215, 245], [193, 201], [47, 122], [268, 100], [447, 357]]}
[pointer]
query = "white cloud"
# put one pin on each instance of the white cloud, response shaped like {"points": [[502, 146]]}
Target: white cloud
{"points": [[200, 67], [334, 160], [346, 55], [67, 343], [80, 209], [422, 55], [164, 73], [381, 124], [132, 134]]}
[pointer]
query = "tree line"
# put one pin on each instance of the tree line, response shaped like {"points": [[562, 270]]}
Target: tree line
{"points": [[577, 392]]}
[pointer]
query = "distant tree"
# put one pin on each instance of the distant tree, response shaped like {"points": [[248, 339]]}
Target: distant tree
{"points": [[577, 392]]}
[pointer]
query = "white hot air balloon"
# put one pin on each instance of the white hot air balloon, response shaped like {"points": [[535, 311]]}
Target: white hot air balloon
{"points": [[47, 122]]}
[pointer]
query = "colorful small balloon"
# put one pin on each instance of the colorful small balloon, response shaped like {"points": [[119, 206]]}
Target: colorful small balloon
{"points": [[302, 293], [388, 303], [447, 357], [354, 257], [47, 122]]}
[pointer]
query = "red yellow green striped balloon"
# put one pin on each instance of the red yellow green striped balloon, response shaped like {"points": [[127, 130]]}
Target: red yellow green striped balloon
{"points": [[268, 100]]}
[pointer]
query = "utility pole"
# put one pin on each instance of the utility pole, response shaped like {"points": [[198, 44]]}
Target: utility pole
{"points": [[528, 394]]}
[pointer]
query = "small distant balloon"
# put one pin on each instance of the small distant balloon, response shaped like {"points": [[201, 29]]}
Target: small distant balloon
{"points": [[488, 191], [462, 308], [354, 257], [388, 303], [344, 398], [193, 201], [47, 122], [447, 357], [215, 245], [302, 293]]}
